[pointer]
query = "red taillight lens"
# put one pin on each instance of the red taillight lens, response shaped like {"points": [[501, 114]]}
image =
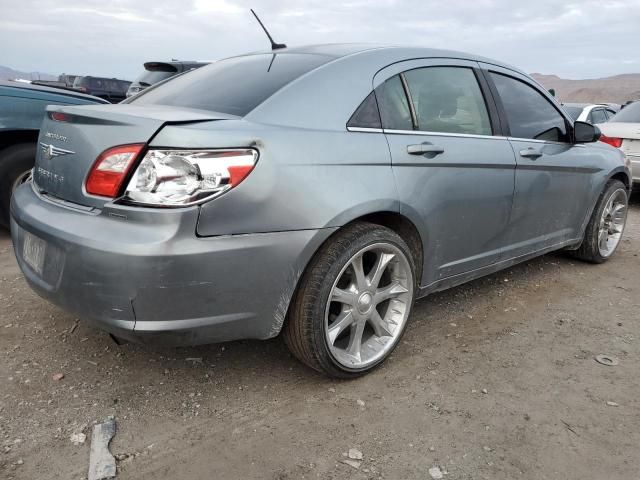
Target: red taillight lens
{"points": [[110, 170], [614, 142], [60, 117]]}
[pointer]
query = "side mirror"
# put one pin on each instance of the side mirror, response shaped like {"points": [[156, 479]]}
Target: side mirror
{"points": [[584, 132]]}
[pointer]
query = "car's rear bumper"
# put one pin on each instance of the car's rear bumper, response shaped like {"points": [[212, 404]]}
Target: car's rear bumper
{"points": [[144, 275], [635, 167]]}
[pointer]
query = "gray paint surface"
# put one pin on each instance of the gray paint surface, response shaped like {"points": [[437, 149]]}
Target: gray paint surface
{"points": [[227, 268]]}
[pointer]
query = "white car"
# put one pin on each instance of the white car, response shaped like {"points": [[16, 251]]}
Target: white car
{"points": [[623, 132], [589, 112]]}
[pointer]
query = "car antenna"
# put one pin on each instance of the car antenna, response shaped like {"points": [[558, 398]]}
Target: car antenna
{"points": [[274, 45]]}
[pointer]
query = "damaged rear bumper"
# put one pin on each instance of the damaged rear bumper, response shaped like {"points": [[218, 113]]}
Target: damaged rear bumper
{"points": [[144, 275]]}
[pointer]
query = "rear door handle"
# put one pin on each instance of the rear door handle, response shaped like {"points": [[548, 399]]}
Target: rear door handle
{"points": [[423, 148], [531, 153]]}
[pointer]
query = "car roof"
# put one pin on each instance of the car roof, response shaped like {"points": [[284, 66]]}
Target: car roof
{"points": [[579, 105], [42, 88], [338, 50]]}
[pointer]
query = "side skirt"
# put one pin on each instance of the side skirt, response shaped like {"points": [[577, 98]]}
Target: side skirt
{"points": [[461, 278]]}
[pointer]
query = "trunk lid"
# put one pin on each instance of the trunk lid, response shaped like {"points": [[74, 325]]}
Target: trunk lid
{"points": [[68, 149], [629, 132]]}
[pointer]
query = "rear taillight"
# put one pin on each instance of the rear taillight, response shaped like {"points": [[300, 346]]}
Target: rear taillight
{"points": [[110, 170], [614, 142], [172, 178], [59, 117]]}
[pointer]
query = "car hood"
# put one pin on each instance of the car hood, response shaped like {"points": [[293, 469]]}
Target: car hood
{"points": [[67, 149]]}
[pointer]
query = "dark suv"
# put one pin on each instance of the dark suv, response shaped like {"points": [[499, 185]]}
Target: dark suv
{"points": [[111, 89], [155, 72]]}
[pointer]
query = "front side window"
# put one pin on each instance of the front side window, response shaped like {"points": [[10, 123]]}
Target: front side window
{"points": [[529, 113], [448, 100]]}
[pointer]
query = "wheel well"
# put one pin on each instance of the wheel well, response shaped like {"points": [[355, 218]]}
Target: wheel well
{"points": [[403, 227], [13, 137], [623, 178]]}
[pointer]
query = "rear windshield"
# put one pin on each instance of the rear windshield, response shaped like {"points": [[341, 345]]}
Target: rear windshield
{"points": [[234, 86], [629, 114], [574, 112]]}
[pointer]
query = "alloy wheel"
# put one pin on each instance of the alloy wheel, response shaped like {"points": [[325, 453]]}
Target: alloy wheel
{"points": [[22, 178], [368, 306], [612, 223]]}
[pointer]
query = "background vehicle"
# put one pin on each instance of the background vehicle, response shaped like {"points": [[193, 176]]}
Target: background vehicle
{"points": [[22, 108], [623, 132], [155, 72], [111, 89], [67, 79], [592, 113], [316, 191]]}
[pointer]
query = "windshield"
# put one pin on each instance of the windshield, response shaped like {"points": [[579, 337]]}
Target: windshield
{"points": [[235, 85], [150, 78], [574, 112], [629, 114]]}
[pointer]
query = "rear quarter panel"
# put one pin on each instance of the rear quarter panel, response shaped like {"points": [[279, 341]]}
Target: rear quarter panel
{"points": [[304, 178]]}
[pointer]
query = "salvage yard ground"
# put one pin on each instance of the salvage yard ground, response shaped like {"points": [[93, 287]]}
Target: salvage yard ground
{"points": [[495, 379]]}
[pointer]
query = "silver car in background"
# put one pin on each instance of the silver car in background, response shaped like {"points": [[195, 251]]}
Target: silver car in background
{"points": [[623, 132], [314, 191]]}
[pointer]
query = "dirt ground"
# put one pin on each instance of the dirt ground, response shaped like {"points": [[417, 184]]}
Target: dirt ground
{"points": [[495, 379]]}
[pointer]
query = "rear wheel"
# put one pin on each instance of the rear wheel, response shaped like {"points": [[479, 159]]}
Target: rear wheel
{"points": [[353, 302], [604, 231], [16, 163]]}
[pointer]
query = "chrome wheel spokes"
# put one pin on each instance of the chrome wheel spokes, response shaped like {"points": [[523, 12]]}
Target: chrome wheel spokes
{"points": [[612, 222], [369, 305], [22, 178]]}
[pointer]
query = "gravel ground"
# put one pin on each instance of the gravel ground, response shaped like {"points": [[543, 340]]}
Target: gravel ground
{"points": [[495, 379]]}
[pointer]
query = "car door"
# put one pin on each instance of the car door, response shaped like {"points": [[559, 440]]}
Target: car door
{"points": [[554, 177], [454, 172]]}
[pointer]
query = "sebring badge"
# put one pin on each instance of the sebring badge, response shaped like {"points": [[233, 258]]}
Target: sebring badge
{"points": [[49, 151]]}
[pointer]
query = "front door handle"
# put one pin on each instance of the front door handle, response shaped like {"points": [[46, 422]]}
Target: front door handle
{"points": [[424, 148], [531, 153]]}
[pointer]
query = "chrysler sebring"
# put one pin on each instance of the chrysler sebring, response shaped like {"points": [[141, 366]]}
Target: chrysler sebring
{"points": [[314, 191]]}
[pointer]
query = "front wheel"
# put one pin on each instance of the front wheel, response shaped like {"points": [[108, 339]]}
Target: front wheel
{"points": [[353, 302], [604, 231]]}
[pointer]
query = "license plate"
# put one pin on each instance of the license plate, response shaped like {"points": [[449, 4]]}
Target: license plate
{"points": [[33, 252]]}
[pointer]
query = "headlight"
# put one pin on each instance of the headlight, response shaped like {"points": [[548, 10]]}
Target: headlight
{"points": [[184, 177]]}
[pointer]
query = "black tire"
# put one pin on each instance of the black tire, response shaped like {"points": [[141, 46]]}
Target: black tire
{"points": [[304, 329], [589, 250], [15, 161]]}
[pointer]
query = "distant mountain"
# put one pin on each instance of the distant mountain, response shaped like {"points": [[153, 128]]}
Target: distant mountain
{"points": [[7, 73], [617, 89]]}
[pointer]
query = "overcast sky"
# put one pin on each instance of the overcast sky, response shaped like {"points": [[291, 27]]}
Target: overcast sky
{"points": [[573, 39]]}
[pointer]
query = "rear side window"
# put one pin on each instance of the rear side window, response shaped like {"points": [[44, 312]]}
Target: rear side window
{"points": [[530, 115], [448, 100], [598, 116], [394, 107], [367, 114], [234, 86]]}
